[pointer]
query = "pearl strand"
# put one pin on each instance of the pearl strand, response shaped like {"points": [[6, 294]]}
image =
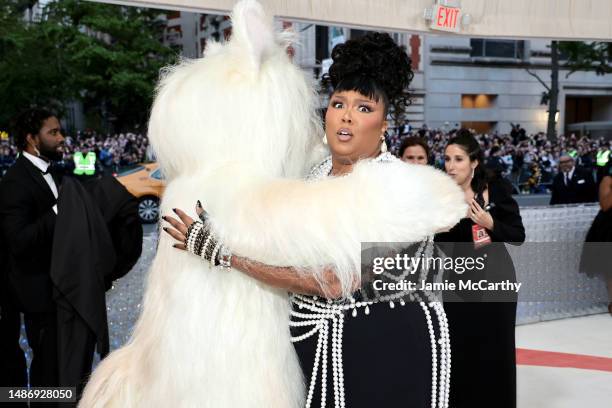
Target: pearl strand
{"points": [[325, 334], [445, 352], [446, 363], [335, 313], [315, 369], [340, 360], [335, 362], [434, 355], [409, 269]]}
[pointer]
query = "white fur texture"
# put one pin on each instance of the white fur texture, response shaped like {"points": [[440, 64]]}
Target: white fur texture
{"points": [[310, 225], [238, 130]]}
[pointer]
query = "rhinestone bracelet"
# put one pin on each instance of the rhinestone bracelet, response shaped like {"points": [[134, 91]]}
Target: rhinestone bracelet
{"points": [[225, 257]]}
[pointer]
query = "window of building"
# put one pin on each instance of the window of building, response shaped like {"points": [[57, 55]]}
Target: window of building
{"points": [[497, 48], [174, 35], [173, 14], [479, 127], [578, 109], [355, 33], [480, 101]]}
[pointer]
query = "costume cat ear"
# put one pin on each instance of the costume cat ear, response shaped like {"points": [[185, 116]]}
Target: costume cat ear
{"points": [[253, 31]]}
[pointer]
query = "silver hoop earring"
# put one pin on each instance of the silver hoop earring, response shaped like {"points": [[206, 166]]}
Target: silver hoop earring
{"points": [[325, 139]]}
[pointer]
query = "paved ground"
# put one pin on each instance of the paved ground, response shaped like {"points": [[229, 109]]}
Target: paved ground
{"points": [[565, 363]]}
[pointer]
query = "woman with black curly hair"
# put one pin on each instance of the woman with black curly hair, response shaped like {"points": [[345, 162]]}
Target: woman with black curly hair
{"points": [[386, 358], [374, 348]]}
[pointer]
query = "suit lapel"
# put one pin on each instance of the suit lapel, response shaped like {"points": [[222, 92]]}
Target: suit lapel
{"points": [[37, 176]]}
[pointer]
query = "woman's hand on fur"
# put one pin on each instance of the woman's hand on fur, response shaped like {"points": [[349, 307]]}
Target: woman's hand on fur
{"points": [[179, 227]]}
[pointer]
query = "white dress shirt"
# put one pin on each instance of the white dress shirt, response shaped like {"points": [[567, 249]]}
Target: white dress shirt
{"points": [[43, 166]]}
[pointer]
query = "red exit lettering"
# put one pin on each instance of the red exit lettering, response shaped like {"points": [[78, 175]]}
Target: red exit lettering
{"points": [[446, 18]]}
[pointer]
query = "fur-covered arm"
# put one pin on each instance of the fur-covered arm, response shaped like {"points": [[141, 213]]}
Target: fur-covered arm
{"points": [[313, 224]]}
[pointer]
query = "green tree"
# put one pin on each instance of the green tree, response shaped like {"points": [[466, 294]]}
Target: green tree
{"points": [[588, 56], [30, 63], [573, 56], [107, 56]]}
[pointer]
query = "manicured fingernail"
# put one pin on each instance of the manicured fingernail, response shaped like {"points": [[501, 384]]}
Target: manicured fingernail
{"points": [[174, 209], [199, 204], [165, 229], [164, 218]]}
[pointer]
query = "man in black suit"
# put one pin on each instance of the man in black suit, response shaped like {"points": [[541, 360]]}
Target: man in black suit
{"points": [[572, 185], [28, 208], [60, 264]]}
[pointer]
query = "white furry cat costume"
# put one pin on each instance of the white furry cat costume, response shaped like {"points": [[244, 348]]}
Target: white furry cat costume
{"points": [[238, 130]]}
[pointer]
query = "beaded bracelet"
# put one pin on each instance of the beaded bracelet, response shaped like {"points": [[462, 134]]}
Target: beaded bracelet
{"points": [[203, 235], [213, 258], [202, 242], [192, 234]]}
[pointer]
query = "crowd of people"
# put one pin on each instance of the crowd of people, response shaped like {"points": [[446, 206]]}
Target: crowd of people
{"points": [[529, 162], [112, 151]]}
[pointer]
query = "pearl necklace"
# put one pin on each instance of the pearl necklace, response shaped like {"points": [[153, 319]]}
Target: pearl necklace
{"points": [[324, 168]]}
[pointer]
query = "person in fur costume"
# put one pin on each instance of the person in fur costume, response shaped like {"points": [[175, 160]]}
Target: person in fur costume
{"points": [[239, 129]]}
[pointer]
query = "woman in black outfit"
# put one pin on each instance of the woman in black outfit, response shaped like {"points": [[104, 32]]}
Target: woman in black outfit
{"points": [[599, 237], [482, 323]]}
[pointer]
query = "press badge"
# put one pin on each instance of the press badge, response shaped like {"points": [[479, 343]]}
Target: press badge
{"points": [[480, 236]]}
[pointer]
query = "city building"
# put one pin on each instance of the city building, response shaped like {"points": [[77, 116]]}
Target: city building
{"points": [[479, 83]]}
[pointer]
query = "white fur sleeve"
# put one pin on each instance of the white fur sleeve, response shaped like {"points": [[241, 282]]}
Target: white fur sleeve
{"points": [[311, 224]]}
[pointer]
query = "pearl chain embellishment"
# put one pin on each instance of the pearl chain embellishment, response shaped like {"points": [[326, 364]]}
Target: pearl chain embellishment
{"points": [[319, 314], [322, 314]]}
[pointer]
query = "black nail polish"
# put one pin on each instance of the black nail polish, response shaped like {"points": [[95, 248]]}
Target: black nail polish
{"points": [[199, 204], [165, 229], [174, 209]]}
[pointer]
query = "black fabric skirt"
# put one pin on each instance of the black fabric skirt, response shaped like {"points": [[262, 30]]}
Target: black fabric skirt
{"points": [[483, 371], [387, 358], [598, 244]]}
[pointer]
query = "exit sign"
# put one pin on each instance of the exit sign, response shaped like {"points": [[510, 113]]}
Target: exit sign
{"points": [[446, 18]]}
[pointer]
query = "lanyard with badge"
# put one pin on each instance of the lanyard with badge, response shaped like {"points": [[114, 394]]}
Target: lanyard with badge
{"points": [[480, 236]]}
